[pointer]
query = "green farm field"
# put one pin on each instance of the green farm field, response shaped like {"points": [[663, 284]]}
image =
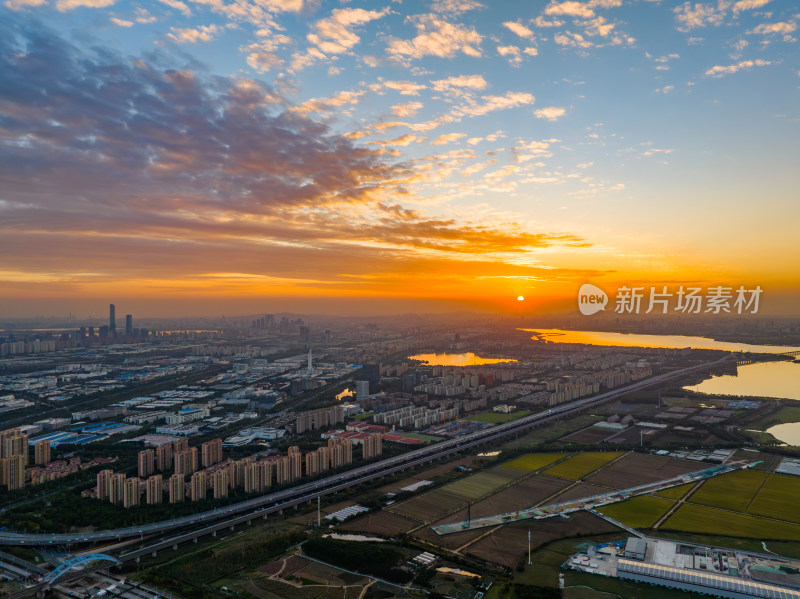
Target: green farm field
{"points": [[706, 520], [675, 492], [783, 415], [778, 498], [582, 464], [638, 512], [531, 462], [731, 491]]}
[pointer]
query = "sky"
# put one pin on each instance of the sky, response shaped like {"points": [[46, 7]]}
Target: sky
{"points": [[222, 156]]}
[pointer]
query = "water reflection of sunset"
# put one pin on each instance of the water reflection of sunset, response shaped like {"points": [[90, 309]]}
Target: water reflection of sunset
{"points": [[463, 359], [344, 394], [638, 340]]}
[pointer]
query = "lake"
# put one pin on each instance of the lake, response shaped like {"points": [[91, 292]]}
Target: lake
{"points": [[463, 359], [788, 433], [638, 340], [765, 379]]}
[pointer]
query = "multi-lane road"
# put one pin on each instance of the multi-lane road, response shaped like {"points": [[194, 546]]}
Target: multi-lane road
{"points": [[266, 504]]}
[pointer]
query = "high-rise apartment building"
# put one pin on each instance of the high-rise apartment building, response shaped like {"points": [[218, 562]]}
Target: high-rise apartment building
{"points": [[186, 461], [220, 484], [324, 458], [198, 486], [312, 463], [177, 490], [12, 472], [283, 471], [341, 452], [117, 493], [307, 421], [104, 484], [42, 453], [164, 457], [146, 463], [295, 463], [155, 490], [132, 493], [238, 469], [372, 446], [211, 452], [13, 442], [258, 476]]}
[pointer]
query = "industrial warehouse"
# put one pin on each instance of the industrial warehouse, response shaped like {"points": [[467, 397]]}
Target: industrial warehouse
{"points": [[709, 570]]}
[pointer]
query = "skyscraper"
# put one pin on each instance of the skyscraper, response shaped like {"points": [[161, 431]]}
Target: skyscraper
{"points": [[112, 318], [128, 325], [362, 390], [372, 373]]}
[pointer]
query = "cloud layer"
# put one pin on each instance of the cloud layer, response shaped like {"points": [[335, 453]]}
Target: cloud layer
{"points": [[137, 169]]}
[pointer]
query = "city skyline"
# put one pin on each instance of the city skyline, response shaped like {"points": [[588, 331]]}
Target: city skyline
{"points": [[205, 158]]}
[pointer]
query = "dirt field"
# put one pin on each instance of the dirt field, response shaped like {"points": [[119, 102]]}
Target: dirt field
{"points": [[639, 468], [578, 491], [275, 589], [437, 503], [525, 494], [768, 461], [508, 544], [429, 474], [453, 541], [322, 574], [589, 435], [304, 518], [631, 435], [293, 564], [382, 523]]}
